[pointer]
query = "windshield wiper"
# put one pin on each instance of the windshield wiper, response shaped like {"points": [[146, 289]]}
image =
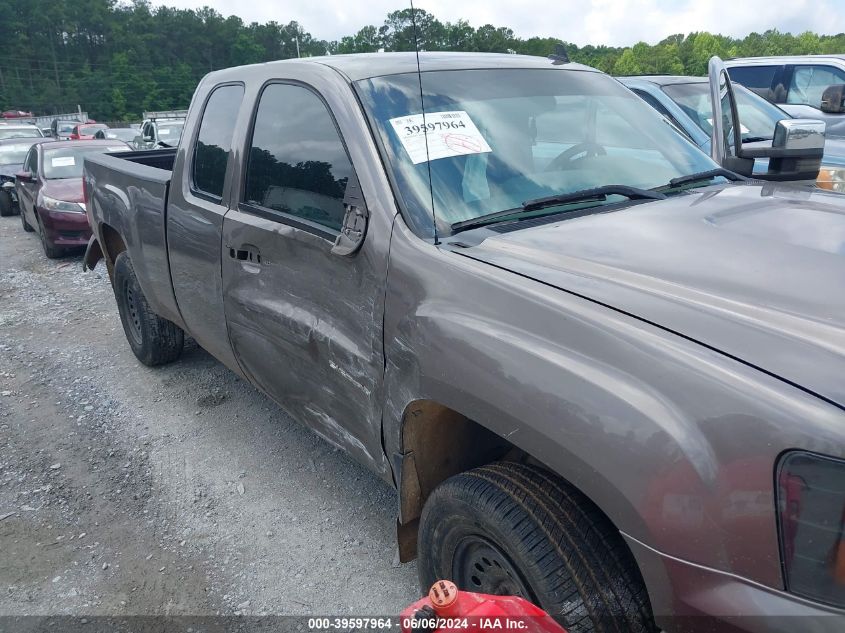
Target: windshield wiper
{"points": [[710, 174], [597, 194]]}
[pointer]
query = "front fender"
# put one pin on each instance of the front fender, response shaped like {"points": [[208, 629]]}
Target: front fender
{"points": [[675, 442]]}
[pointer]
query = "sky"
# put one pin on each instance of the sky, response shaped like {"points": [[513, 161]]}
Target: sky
{"points": [[610, 22]]}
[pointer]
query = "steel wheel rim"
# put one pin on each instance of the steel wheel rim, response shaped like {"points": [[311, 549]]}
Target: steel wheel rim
{"points": [[133, 319], [480, 565]]}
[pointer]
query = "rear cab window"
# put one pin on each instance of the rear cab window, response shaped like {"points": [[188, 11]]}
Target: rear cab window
{"points": [[214, 140], [297, 163], [759, 79]]}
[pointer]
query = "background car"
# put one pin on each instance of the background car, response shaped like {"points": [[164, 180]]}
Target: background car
{"points": [[50, 194], [12, 154], [797, 83], [61, 129], [124, 134], [19, 130], [86, 131], [685, 102]]}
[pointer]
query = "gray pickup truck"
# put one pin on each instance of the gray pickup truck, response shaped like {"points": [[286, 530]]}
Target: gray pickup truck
{"points": [[601, 371]]}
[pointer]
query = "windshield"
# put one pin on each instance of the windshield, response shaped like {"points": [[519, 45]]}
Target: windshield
{"points": [[65, 129], [66, 162], [498, 138], [13, 154], [757, 116], [19, 132], [170, 132]]}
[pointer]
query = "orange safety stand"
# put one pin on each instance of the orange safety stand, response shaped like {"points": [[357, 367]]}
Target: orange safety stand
{"points": [[448, 610]]}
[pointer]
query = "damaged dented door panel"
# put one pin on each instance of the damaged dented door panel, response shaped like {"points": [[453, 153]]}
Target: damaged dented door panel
{"points": [[305, 321], [195, 217]]}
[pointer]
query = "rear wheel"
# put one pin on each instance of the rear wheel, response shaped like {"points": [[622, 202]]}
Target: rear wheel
{"points": [[516, 529], [154, 341], [6, 206], [50, 250]]}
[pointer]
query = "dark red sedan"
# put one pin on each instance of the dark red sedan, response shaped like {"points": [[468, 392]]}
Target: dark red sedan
{"points": [[86, 131], [50, 195]]}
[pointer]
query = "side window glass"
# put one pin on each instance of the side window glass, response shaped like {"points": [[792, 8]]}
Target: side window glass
{"points": [[214, 141], [297, 162], [809, 82], [654, 103], [757, 78], [32, 161]]}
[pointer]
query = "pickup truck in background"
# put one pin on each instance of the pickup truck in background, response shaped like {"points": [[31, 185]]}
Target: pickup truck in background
{"points": [[603, 372], [161, 129], [808, 86]]}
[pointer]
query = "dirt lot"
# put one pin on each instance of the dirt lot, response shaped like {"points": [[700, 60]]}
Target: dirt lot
{"points": [[178, 490]]}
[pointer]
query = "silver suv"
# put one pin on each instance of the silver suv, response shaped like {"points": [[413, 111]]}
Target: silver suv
{"points": [[807, 86]]}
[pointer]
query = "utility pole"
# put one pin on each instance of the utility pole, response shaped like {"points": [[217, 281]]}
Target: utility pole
{"points": [[296, 39]]}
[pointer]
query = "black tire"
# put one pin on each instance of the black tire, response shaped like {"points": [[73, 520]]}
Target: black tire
{"points": [[154, 341], [50, 250], [510, 528], [7, 208], [24, 223]]}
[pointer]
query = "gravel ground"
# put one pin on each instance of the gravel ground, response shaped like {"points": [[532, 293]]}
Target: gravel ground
{"points": [[180, 490]]}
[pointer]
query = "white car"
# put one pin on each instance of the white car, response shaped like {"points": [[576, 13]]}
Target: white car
{"points": [[19, 130]]}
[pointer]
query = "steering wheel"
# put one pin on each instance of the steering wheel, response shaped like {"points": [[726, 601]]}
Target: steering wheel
{"points": [[565, 159]]}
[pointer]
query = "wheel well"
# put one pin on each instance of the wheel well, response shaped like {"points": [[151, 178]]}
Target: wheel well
{"points": [[113, 245], [438, 442]]}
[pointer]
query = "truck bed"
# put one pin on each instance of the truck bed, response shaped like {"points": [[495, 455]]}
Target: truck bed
{"points": [[128, 192]]}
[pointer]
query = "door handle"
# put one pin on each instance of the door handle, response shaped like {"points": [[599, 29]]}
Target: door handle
{"points": [[245, 253]]}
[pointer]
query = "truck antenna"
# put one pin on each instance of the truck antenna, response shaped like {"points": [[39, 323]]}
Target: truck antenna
{"points": [[425, 130]]}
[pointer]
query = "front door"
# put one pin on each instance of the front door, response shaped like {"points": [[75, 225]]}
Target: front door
{"points": [[305, 323]]}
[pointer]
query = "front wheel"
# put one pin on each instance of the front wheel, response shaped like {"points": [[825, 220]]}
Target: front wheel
{"points": [[7, 207], [50, 250], [516, 529], [154, 341]]}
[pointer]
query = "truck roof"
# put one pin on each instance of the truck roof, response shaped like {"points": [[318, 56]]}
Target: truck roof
{"points": [[366, 65], [783, 59]]}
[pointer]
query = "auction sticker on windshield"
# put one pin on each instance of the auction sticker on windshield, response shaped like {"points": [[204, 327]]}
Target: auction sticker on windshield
{"points": [[62, 161], [449, 134]]}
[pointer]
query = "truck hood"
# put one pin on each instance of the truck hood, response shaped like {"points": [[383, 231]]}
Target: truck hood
{"points": [[755, 272]]}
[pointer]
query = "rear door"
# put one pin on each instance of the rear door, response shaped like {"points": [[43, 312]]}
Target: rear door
{"points": [[195, 211], [306, 324]]}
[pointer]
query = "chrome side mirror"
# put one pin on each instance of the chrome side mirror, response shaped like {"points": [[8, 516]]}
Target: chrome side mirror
{"points": [[799, 135]]}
